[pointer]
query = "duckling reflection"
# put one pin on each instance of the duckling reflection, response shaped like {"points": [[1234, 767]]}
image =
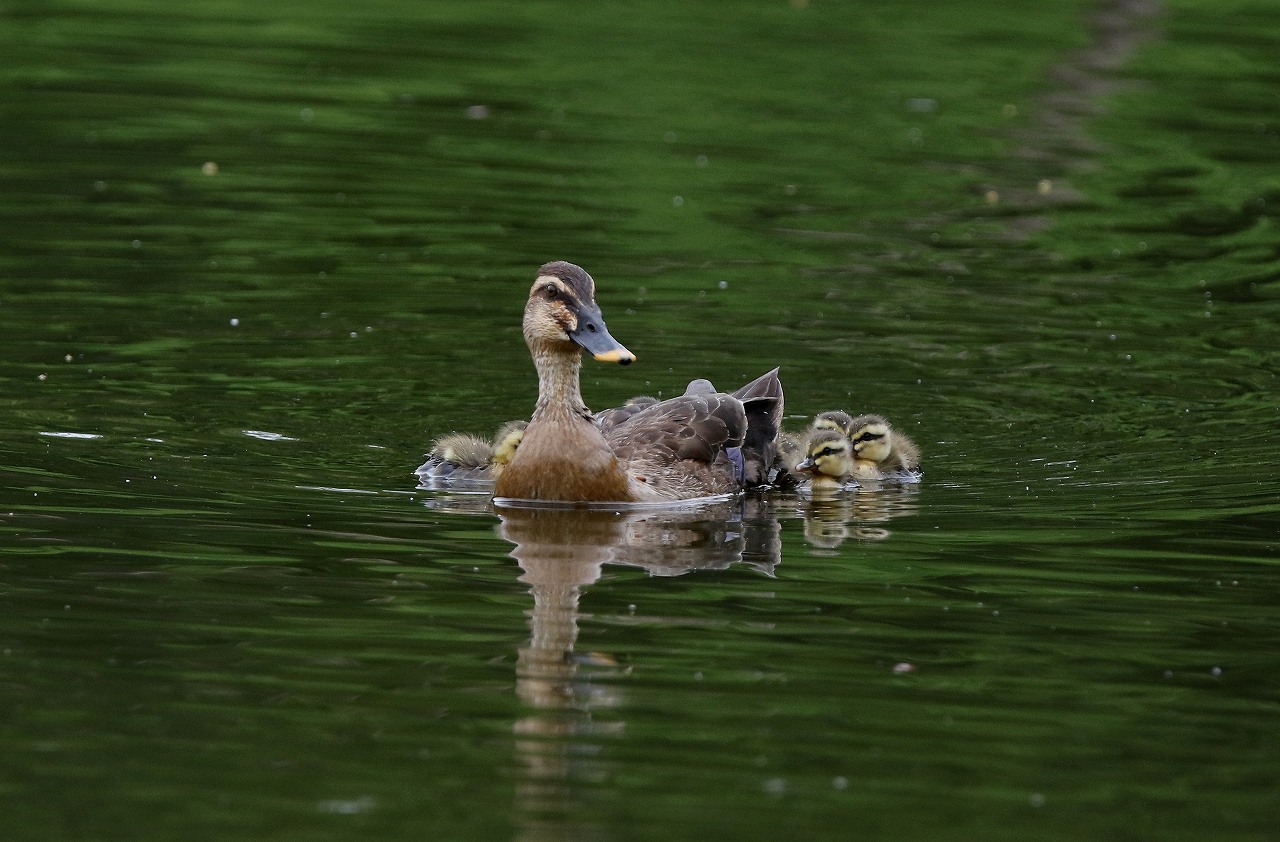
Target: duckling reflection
{"points": [[572, 695], [832, 519]]}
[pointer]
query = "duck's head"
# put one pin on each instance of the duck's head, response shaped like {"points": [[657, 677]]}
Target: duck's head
{"points": [[562, 312], [835, 419], [872, 438], [829, 454], [507, 440]]}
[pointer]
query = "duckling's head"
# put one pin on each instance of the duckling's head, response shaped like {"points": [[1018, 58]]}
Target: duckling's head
{"points": [[872, 438], [835, 419], [828, 454], [641, 401], [506, 440], [562, 312]]}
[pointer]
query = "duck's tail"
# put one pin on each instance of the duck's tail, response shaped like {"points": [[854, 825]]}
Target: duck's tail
{"points": [[762, 400]]}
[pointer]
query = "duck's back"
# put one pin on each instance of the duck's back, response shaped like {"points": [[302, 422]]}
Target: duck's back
{"points": [[681, 448]]}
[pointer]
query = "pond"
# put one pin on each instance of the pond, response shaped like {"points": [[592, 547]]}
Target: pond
{"points": [[255, 258]]}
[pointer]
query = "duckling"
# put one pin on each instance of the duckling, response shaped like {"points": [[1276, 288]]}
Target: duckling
{"points": [[792, 446], [880, 450], [466, 457], [687, 447], [828, 460], [834, 419], [505, 442]]}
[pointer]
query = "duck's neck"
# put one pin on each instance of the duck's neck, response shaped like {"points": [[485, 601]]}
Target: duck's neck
{"points": [[558, 388]]}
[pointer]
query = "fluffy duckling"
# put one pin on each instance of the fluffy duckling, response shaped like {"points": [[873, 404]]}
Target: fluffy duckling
{"points": [[793, 446], [828, 461], [834, 419], [879, 450], [463, 456], [505, 442]]}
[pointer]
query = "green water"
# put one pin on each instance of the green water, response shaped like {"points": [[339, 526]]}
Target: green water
{"points": [[255, 257]]}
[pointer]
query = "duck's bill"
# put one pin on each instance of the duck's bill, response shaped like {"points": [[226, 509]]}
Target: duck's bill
{"points": [[594, 337], [808, 466]]}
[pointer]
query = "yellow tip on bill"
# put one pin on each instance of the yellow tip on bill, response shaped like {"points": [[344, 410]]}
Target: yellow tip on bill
{"points": [[616, 355]]}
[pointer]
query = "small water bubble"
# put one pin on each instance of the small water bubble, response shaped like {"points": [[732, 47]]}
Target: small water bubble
{"points": [[67, 358], [235, 322], [543, 134], [137, 244], [307, 115], [1216, 671], [477, 112], [670, 137], [101, 187], [776, 786], [1009, 110], [723, 285], [922, 105], [697, 676], [1168, 673], [992, 197], [701, 160], [209, 168], [42, 377], [903, 668], [839, 782], [790, 189], [1036, 799], [677, 201]]}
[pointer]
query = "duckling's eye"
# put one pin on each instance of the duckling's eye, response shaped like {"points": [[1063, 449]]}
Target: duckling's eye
{"points": [[552, 293]]}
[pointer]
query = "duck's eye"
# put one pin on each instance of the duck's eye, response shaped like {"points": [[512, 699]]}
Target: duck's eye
{"points": [[552, 292], [591, 328]]}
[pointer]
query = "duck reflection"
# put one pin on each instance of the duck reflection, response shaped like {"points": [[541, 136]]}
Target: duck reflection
{"points": [[560, 552], [573, 697]]}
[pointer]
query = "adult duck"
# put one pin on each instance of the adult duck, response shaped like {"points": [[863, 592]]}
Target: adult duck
{"points": [[700, 444]]}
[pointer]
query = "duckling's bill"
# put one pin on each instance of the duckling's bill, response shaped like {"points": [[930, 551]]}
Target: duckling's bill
{"points": [[593, 335]]}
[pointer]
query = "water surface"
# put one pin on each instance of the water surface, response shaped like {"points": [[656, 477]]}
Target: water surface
{"points": [[254, 258]]}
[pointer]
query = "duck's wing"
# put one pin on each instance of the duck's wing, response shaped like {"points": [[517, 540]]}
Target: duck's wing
{"points": [[762, 402], [607, 419], [698, 427]]}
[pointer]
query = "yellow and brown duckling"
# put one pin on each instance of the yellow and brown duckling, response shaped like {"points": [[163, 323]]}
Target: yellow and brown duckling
{"points": [[834, 419], [880, 451], [828, 461], [469, 458], [695, 445]]}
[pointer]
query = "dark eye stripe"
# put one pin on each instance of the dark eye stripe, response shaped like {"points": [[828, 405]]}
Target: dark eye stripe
{"points": [[870, 437]]}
